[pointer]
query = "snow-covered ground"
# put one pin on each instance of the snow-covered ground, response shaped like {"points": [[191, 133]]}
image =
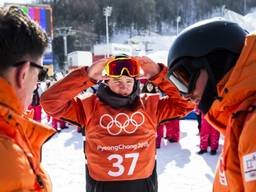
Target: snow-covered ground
{"points": [[179, 168]]}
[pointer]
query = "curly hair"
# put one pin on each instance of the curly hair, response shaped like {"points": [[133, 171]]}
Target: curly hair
{"points": [[20, 36]]}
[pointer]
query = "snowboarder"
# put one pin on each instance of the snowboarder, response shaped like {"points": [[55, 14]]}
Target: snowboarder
{"points": [[120, 126]]}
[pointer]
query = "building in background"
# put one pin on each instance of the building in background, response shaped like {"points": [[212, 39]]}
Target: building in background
{"points": [[100, 50], [79, 59]]}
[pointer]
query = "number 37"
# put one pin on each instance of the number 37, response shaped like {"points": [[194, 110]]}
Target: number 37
{"points": [[119, 161]]}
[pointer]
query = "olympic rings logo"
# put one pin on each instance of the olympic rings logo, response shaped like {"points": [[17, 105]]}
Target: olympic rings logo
{"points": [[114, 126]]}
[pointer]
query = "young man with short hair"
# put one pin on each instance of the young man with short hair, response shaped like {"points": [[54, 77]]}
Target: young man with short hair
{"points": [[22, 44]]}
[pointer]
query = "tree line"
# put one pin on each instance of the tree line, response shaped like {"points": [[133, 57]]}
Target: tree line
{"points": [[132, 16]]}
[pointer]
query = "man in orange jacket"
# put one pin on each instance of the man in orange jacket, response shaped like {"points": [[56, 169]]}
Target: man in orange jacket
{"points": [[120, 126], [213, 63], [22, 44]]}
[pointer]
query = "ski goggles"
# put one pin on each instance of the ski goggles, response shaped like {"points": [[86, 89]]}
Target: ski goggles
{"points": [[184, 76], [120, 66], [42, 75]]}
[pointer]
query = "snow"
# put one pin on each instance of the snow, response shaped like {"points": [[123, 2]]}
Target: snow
{"points": [[247, 22], [151, 42], [159, 57], [161, 44], [250, 18], [179, 167]]}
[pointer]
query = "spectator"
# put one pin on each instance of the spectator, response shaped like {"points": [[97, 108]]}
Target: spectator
{"points": [[173, 130], [35, 105], [149, 87], [208, 137], [199, 119]]}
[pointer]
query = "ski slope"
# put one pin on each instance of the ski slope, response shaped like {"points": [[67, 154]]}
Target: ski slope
{"points": [[179, 168]]}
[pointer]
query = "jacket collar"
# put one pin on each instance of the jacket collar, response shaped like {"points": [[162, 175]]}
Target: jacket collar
{"points": [[8, 97], [15, 122]]}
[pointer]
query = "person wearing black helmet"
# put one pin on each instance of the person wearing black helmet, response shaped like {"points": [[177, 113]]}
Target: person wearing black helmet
{"points": [[213, 63]]}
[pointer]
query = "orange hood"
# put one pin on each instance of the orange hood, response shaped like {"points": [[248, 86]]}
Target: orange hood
{"points": [[236, 86]]}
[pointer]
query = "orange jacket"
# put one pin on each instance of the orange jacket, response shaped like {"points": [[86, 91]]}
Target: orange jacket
{"points": [[120, 143], [20, 146], [234, 116]]}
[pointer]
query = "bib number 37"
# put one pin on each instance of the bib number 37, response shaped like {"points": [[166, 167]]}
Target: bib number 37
{"points": [[118, 163]]}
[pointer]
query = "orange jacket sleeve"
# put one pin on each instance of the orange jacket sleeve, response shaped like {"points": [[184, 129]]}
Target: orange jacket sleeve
{"points": [[174, 105], [60, 99]]}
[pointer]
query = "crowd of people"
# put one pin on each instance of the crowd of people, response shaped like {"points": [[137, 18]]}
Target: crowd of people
{"points": [[211, 69]]}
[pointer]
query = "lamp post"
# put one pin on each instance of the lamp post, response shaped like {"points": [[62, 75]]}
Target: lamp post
{"points": [[245, 7], [223, 9], [107, 13], [178, 19], [64, 32]]}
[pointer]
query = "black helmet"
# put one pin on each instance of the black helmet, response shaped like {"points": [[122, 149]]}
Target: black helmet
{"points": [[213, 45], [206, 36]]}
